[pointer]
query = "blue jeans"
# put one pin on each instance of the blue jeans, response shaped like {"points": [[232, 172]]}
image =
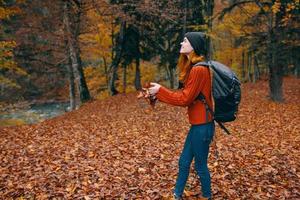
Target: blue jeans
{"points": [[196, 145]]}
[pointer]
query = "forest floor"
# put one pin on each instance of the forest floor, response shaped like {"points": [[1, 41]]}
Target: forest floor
{"points": [[119, 148]]}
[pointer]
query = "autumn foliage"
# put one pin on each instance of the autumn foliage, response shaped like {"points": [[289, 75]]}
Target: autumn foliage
{"points": [[120, 148], [8, 65]]}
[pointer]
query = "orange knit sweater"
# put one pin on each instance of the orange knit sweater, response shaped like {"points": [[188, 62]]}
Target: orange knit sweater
{"points": [[197, 81]]}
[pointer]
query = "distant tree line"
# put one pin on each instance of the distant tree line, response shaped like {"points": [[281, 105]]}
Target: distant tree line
{"points": [[273, 41], [47, 41]]}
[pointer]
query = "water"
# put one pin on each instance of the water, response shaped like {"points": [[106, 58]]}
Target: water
{"points": [[37, 112]]}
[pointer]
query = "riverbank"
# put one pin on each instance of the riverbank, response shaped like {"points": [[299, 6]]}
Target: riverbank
{"points": [[29, 112]]}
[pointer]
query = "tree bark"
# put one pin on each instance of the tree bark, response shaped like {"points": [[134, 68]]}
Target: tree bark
{"points": [[275, 68], [77, 65], [209, 11], [256, 69], [124, 78], [275, 74], [137, 80], [276, 83], [249, 76], [243, 67], [72, 37], [71, 84], [105, 70], [171, 76], [297, 66], [116, 60], [253, 67], [72, 93], [184, 17]]}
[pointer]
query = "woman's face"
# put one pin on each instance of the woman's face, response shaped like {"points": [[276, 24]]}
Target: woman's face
{"points": [[186, 46]]}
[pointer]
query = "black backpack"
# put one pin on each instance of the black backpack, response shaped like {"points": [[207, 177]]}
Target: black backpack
{"points": [[226, 93]]}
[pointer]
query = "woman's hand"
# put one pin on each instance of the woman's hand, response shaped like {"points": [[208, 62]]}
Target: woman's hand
{"points": [[154, 88], [145, 93]]}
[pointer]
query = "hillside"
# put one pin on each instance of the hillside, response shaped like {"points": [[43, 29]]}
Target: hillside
{"points": [[119, 148]]}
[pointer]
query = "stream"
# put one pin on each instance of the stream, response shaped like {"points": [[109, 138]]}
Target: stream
{"points": [[36, 112]]}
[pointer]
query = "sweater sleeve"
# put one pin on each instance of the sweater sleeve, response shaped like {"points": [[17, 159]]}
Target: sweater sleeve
{"points": [[188, 94]]}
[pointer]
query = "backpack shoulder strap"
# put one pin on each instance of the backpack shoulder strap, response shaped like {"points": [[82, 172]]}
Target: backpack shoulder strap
{"points": [[207, 64], [202, 98]]}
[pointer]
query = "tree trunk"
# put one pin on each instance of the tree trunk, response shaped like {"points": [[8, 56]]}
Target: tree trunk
{"points": [[124, 78], [105, 70], [72, 37], [276, 73], [253, 67], [184, 17], [276, 83], [77, 65], [297, 66], [256, 69], [249, 76], [116, 60], [171, 73], [112, 40], [137, 80], [71, 84], [209, 14], [243, 67], [275, 69], [72, 93]]}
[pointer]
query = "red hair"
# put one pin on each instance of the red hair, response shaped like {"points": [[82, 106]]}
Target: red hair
{"points": [[185, 64]]}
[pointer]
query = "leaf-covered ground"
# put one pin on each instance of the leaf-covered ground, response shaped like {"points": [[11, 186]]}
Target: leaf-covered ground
{"points": [[121, 149]]}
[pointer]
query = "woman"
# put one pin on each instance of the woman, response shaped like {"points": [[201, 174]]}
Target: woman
{"points": [[195, 80]]}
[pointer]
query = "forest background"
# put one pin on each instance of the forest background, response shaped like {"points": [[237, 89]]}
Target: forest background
{"points": [[81, 49]]}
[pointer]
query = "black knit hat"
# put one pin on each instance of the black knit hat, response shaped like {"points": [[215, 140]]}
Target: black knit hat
{"points": [[198, 42]]}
